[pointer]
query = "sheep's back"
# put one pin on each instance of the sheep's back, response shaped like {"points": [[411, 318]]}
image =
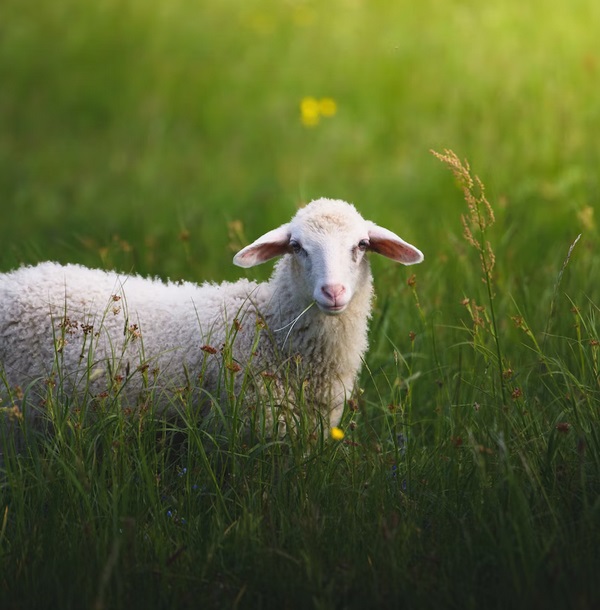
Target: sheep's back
{"points": [[96, 328]]}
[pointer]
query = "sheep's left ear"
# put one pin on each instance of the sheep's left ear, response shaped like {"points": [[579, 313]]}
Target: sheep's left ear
{"points": [[389, 244], [271, 244]]}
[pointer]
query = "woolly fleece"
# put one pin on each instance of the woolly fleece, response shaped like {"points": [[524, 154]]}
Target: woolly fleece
{"points": [[95, 330]]}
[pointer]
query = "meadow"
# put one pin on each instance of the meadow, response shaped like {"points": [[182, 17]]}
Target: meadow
{"points": [[159, 137]]}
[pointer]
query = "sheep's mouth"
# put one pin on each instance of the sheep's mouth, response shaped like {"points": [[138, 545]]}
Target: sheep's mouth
{"points": [[332, 310]]}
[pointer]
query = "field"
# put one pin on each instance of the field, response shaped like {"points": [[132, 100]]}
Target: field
{"points": [[159, 136]]}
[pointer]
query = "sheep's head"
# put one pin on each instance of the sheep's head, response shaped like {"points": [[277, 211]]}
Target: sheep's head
{"points": [[328, 240]]}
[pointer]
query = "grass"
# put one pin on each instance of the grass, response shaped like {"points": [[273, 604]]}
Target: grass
{"points": [[160, 136]]}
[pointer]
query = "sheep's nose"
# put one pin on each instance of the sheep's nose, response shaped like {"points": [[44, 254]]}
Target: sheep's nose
{"points": [[333, 291]]}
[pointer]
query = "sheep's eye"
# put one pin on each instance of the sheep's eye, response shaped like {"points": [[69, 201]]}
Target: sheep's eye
{"points": [[363, 244], [296, 247]]}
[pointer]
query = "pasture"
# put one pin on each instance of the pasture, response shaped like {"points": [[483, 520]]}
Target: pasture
{"points": [[159, 137]]}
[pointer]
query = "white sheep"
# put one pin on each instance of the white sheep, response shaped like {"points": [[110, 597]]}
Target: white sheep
{"points": [[298, 338]]}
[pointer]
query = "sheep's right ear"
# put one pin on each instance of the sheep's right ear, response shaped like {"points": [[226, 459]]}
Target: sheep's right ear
{"points": [[271, 244]]}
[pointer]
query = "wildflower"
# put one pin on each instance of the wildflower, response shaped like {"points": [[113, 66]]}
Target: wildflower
{"points": [[309, 111], [327, 106], [312, 109], [337, 434], [209, 349], [172, 514]]}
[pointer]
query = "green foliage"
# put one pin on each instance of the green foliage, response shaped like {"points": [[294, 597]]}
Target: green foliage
{"points": [[159, 136]]}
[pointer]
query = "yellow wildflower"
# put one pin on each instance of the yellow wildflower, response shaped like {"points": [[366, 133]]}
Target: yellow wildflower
{"points": [[337, 434], [312, 109], [327, 106], [309, 111]]}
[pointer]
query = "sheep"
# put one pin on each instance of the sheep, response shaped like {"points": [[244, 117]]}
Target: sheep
{"points": [[298, 338]]}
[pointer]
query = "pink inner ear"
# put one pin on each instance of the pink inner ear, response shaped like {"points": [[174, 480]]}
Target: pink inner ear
{"points": [[388, 244], [271, 244], [260, 253], [403, 253]]}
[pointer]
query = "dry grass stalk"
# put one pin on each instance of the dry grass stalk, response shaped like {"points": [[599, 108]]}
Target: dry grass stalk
{"points": [[480, 214]]}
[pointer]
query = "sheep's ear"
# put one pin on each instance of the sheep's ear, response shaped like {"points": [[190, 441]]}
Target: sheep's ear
{"points": [[389, 244], [271, 244]]}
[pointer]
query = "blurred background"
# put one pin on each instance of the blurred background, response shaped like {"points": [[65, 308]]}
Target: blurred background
{"points": [[160, 135]]}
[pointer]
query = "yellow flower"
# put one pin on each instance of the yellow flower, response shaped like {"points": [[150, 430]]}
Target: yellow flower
{"points": [[327, 106], [309, 111], [312, 109], [337, 434]]}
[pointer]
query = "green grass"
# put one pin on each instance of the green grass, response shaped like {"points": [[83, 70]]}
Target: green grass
{"points": [[157, 137]]}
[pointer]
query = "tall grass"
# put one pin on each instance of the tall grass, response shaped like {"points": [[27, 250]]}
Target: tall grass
{"points": [[158, 137]]}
